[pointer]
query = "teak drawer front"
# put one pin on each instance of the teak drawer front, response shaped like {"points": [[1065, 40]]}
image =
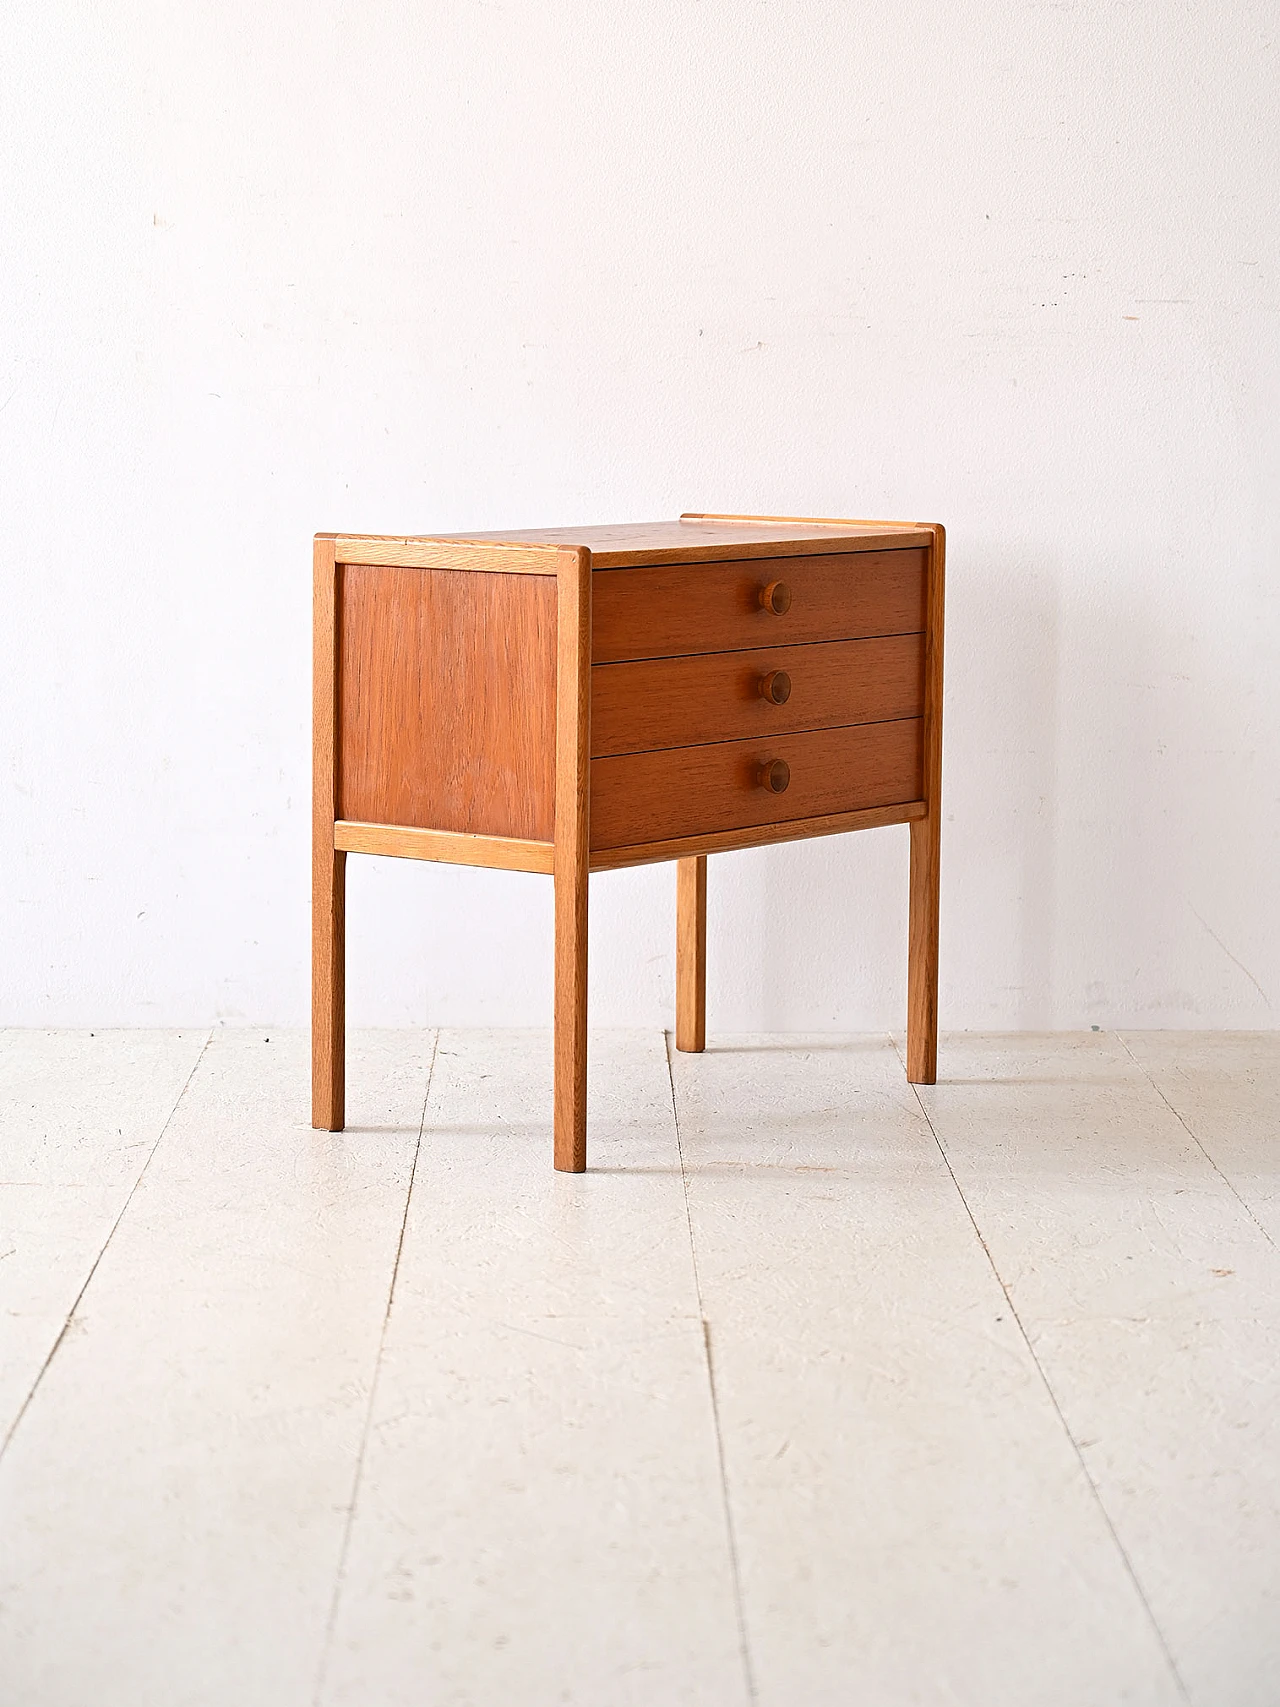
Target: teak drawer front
{"points": [[693, 791], [716, 696], [670, 609]]}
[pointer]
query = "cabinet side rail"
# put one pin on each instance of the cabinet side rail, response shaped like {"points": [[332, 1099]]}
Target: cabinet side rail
{"points": [[756, 836], [483, 556], [446, 847], [801, 521]]}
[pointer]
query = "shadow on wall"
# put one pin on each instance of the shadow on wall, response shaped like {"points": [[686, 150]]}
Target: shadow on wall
{"points": [[815, 934], [1101, 837], [1102, 851]]}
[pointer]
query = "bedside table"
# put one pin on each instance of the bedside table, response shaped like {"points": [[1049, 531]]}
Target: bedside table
{"points": [[569, 700]]}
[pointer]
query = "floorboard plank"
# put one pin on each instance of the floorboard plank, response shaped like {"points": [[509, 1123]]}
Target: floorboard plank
{"points": [[81, 1112], [540, 1518], [175, 1497], [1226, 1086], [912, 1522], [1152, 1298]]}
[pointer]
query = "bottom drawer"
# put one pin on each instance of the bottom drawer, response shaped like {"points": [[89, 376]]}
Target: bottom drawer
{"points": [[696, 791]]}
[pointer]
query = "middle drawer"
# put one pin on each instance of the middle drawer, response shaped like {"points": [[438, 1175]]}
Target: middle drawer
{"points": [[726, 696]]}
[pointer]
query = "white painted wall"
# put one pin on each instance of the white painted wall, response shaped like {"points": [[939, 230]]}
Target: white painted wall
{"points": [[394, 266]]}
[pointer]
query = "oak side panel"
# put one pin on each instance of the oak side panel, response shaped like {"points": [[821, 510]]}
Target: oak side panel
{"points": [[447, 706], [926, 833], [692, 791], [716, 696], [691, 954], [328, 864], [671, 609], [571, 857]]}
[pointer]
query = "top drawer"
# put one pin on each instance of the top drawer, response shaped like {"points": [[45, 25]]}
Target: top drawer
{"points": [[672, 609]]}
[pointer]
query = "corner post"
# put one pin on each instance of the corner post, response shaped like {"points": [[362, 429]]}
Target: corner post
{"points": [[328, 864], [571, 858], [922, 951], [691, 954]]}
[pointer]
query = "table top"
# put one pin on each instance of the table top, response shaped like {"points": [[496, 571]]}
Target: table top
{"points": [[706, 537]]}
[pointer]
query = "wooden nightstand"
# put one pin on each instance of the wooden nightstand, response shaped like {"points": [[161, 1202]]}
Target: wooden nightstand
{"points": [[569, 700]]}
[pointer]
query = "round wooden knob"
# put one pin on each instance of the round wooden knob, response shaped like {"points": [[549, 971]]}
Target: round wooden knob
{"points": [[774, 776], [776, 597], [776, 687]]}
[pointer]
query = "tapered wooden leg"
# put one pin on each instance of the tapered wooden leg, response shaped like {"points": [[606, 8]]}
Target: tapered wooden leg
{"points": [[922, 952], [328, 987], [691, 954], [571, 859], [328, 865], [571, 1022]]}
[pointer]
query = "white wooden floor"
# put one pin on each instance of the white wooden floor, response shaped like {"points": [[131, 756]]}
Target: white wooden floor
{"points": [[812, 1390]]}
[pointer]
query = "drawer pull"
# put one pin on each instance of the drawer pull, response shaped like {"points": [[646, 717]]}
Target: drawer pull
{"points": [[776, 687], [774, 776], [776, 597]]}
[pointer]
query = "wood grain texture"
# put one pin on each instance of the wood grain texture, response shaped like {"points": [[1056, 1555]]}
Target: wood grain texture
{"points": [[926, 832], [669, 611], [801, 521], [691, 954], [693, 539], [499, 853], [715, 696], [447, 701], [571, 857], [692, 791], [392, 551], [328, 864], [755, 836]]}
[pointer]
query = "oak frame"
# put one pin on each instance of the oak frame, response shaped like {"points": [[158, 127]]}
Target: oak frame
{"points": [[567, 859], [328, 861], [926, 843]]}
